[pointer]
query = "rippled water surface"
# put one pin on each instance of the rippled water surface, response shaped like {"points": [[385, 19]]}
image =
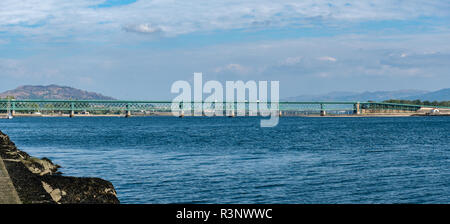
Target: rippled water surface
{"points": [[233, 160]]}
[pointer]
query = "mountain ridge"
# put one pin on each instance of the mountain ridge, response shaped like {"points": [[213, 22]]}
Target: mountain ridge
{"points": [[407, 94], [52, 92], [439, 95]]}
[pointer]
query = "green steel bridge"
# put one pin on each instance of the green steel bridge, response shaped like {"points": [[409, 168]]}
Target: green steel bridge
{"points": [[127, 108]]}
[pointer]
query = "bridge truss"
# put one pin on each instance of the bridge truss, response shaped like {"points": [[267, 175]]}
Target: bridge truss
{"points": [[165, 107]]}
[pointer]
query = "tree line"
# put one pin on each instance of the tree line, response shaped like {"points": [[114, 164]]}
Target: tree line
{"points": [[418, 102]]}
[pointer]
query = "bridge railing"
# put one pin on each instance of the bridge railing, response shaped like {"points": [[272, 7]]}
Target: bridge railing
{"points": [[124, 106], [160, 106]]}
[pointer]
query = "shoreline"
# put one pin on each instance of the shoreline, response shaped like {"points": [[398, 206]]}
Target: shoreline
{"points": [[38, 181]]}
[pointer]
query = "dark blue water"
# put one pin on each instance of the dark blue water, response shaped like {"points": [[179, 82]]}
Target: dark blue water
{"points": [[233, 160]]}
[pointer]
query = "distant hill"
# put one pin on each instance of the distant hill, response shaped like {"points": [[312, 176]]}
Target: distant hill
{"points": [[54, 92], [440, 95]]}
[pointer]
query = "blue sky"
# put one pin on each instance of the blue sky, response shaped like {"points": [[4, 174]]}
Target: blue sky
{"points": [[136, 49]]}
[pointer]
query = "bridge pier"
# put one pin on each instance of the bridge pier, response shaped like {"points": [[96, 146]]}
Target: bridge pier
{"points": [[322, 110], [357, 108], [72, 109], [13, 109], [128, 113]]}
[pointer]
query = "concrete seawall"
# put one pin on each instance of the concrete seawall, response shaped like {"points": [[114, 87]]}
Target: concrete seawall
{"points": [[8, 194]]}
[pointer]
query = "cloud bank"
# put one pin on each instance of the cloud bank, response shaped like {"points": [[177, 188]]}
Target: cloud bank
{"points": [[66, 17], [309, 46]]}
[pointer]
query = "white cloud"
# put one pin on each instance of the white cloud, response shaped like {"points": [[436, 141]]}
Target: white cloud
{"points": [[85, 80], [234, 68], [363, 62], [12, 68], [327, 58], [143, 28], [291, 60], [19, 68], [68, 17]]}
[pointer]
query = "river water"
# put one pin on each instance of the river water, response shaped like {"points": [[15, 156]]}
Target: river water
{"points": [[233, 160]]}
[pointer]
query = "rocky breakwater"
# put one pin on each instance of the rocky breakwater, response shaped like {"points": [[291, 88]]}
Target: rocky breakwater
{"points": [[39, 181]]}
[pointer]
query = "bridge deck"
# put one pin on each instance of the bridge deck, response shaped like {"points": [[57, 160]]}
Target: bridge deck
{"points": [[73, 107]]}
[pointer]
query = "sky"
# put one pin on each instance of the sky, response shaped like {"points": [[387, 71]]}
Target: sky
{"points": [[136, 49]]}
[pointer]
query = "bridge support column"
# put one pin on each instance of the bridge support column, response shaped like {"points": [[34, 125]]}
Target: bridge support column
{"points": [[180, 106], [357, 107], [322, 110], [72, 109], [13, 111], [128, 111]]}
